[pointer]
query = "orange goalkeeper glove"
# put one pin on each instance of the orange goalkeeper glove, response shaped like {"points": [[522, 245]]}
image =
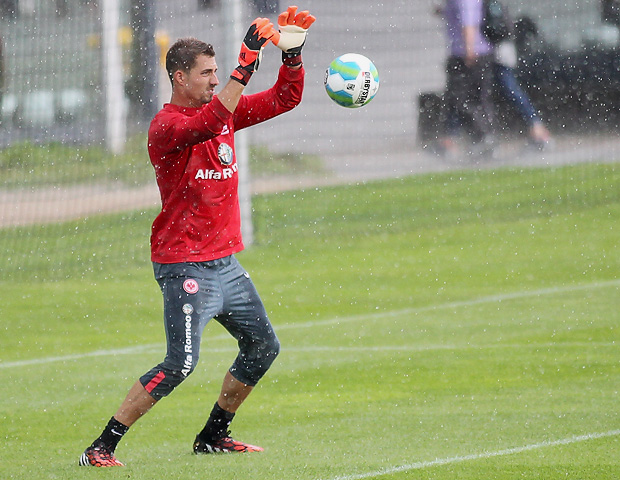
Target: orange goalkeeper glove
{"points": [[259, 34], [292, 35]]}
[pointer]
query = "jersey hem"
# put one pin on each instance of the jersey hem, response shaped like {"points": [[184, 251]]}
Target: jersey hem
{"points": [[197, 258]]}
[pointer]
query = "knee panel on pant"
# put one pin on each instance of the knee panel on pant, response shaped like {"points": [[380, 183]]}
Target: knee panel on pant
{"points": [[162, 379], [254, 359]]}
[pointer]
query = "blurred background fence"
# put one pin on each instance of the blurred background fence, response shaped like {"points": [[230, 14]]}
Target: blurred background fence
{"points": [[81, 80]]}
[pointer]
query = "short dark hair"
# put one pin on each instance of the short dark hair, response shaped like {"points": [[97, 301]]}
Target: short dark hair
{"points": [[183, 53]]}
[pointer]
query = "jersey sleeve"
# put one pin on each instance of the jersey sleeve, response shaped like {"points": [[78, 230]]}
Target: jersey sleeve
{"points": [[283, 96], [175, 131]]}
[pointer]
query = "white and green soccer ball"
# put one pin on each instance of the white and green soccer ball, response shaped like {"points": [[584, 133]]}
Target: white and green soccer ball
{"points": [[351, 80]]}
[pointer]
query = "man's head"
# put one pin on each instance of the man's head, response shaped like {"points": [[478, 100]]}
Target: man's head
{"points": [[191, 68]]}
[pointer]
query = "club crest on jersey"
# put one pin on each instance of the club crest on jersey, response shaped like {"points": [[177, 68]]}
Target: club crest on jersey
{"points": [[190, 286], [225, 154]]}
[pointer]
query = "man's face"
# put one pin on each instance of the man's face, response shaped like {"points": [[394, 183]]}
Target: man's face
{"points": [[200, 81]]}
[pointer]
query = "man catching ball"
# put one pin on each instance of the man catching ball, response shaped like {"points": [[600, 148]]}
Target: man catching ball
{"points": [[197, 233]]}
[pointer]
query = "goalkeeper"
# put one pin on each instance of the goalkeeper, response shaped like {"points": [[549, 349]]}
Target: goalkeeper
{"points": [[197, 233]]}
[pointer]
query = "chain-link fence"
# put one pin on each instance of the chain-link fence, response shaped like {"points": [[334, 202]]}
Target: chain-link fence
{"points": [[76, 72]]}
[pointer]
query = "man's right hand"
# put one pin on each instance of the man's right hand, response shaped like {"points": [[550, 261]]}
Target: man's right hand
{"points": [[258, 35]]}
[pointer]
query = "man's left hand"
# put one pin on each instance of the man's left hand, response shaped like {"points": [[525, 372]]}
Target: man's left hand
{"points": [[293, 28]]}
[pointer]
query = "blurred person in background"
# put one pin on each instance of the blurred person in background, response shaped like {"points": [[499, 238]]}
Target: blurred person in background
{"points": [[198, 231], [504, 65], [499, 29], [468, 97]]}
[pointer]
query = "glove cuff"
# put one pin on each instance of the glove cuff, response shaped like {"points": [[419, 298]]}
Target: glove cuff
{"points": [[242, 75], [291, 59]]}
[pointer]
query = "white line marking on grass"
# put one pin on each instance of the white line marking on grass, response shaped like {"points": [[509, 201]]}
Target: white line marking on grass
{"points": [[159, 348], [479, 456], [449, 305], [423, 348], [78, 356], [329, 321]]}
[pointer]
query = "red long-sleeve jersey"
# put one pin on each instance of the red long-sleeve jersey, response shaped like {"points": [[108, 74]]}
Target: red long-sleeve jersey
{"points": [[193, 153]]}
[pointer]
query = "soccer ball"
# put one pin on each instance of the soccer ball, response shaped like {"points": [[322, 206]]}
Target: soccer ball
{"points": [[351, 80]]}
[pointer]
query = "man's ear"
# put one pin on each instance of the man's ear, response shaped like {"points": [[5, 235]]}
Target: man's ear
{"points": [[178, 78]]}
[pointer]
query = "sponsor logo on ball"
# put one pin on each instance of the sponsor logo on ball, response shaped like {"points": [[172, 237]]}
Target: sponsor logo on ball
{"points": [[365, 88]]}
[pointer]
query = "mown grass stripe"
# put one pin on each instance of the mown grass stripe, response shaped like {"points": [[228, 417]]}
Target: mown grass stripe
{"points": [[336, 320]]}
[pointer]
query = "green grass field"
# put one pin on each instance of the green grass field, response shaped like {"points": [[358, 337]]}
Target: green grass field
{"points": [[461, 325]]}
